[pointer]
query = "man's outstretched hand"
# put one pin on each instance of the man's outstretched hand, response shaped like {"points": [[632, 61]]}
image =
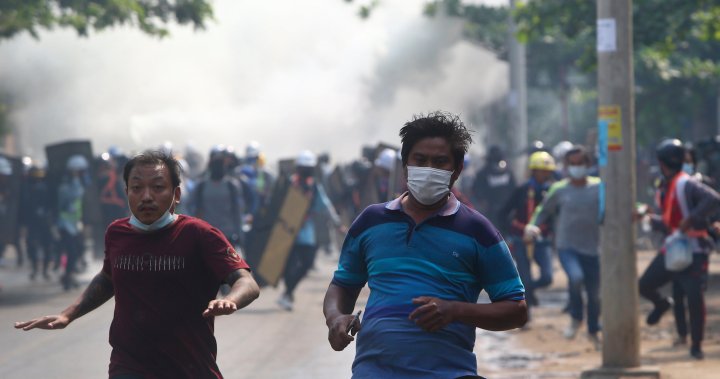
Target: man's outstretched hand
{"points": [[48, 322], [220, 307]]}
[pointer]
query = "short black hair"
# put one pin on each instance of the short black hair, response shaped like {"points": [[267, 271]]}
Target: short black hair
{"points": [[436, 124], [154, 157], [579, 149]]}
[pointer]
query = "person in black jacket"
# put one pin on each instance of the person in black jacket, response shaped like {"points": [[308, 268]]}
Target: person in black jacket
{"points": [[518, 210], [36, 217]]}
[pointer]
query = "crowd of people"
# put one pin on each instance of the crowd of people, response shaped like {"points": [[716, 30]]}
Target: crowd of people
{"points": [[394, 208]]}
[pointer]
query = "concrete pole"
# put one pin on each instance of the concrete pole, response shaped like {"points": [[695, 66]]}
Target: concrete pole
{"points": [[619, 288], [518, 136]]}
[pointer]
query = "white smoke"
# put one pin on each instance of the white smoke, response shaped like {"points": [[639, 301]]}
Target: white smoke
{"points": [[292, 75]]}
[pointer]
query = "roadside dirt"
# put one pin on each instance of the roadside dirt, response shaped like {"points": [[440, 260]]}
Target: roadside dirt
{"points": [[541, 351]]}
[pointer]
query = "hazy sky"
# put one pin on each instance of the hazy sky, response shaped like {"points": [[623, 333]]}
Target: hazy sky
{"points": [[289, 74]]}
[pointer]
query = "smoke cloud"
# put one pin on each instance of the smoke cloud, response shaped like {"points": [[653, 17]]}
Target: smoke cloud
{"points": [[291, 75]]}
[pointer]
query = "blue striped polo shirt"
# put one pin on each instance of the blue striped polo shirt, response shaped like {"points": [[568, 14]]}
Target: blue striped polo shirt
{"points": [[452, 255]]}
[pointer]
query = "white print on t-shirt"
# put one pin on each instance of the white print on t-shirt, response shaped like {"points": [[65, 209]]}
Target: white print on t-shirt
{"points": [[149, 263]]}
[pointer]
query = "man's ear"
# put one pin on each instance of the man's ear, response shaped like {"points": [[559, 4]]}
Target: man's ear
{"points": [[178, 192], [456, 173]]}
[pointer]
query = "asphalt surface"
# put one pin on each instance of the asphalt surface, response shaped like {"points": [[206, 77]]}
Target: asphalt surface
{"points": [[261, 341]]}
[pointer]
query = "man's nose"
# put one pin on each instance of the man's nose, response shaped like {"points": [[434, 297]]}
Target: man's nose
{"points": [[146, 195]]}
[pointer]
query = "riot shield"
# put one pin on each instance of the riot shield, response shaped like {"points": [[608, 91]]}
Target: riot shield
{"points": [[274, 231]]}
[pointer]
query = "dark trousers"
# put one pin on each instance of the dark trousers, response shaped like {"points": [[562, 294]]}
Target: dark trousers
{"points": [[74, 247], [39, 240], [689, 283], [299, 262], [542, 255]]}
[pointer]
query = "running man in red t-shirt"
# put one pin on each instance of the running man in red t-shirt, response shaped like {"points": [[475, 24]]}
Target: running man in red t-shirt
{"points": [[164, 271]]}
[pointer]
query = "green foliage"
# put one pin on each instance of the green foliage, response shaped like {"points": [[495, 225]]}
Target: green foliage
{"points": [[150, 16], [365, 10], [677, 60]]}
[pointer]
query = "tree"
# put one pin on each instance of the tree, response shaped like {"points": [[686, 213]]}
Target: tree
{"points": [[150, 16], [677, 60]]}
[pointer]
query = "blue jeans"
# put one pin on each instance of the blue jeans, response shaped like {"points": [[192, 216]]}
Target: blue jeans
{"points": [[583, 271], [542, 255]]}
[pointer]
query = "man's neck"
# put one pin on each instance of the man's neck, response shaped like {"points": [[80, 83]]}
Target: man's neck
{"points": [[579, 182], [419, 211]]}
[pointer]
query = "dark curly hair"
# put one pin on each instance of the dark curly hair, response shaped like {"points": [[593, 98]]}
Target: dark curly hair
{"points": [[154, 157], [436, 124]]}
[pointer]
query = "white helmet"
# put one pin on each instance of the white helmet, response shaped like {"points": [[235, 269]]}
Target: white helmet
{"points": [[252, 150], [306, 158], [77, 162], [166, 148], [561, 149], [5, 167], [386, 159]]}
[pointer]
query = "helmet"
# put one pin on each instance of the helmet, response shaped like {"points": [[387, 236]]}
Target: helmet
{"points": [[77, 163], [114, 151], [252, 150], [671, 153], [561, 149], [386, 159], [536, 145], [306, 158], [541, 160], [166, 148], [495, 154], [5, 167], [217, 150]]}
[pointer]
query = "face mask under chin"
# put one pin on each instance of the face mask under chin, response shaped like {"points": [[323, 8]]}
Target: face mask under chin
{"points": [[166, 219]]}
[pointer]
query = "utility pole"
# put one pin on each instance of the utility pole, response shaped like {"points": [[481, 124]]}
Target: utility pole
{"points": [[618, 259], [518, 137]]}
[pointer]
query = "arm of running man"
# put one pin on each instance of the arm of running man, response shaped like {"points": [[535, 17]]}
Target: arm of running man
{"points": [[243, 291], [434, 314], [707, 203], [338, 306], [549, 204], [96, 294]]}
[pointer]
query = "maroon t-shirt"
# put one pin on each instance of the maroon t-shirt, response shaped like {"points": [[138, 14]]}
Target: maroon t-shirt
{"points": [[163, 282]]}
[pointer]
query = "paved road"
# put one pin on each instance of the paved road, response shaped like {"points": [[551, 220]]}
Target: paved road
{"points": [[260, 342]]}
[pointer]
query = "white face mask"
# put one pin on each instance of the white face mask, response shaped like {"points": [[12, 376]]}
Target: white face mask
{"points": [[688, 168], [428, 185], [577, 172], [166, 219]]}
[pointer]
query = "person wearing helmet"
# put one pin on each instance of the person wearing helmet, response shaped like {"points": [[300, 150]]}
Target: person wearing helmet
{"points": [[69, 215], [164, 271], [685, 205], [304, 249], [558, 153], [222, 201], [426, 257], [384, 167], [519, 210], [6, 197], [492, 187], [36, 218], [254, 173], [575, 205]]}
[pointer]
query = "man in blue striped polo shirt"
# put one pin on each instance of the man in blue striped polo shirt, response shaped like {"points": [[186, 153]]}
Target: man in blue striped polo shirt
{"points": [[425, 257]]}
